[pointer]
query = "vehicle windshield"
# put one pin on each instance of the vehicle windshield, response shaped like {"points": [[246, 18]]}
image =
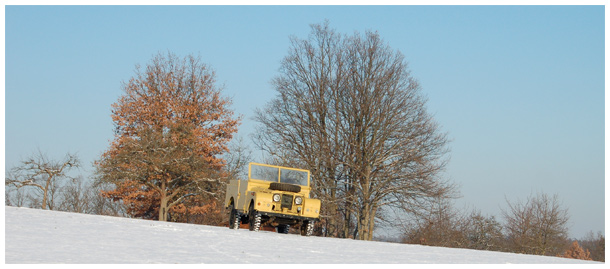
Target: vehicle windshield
{"points": [[277, 174], [293, 177]]}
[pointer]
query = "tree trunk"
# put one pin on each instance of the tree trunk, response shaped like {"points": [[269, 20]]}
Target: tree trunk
{"points": [[349, 208], [346, 222], [163, 209], [372, 222], [163, 203], [44, 200], [45, 193], [332, 219], [364, 228]]}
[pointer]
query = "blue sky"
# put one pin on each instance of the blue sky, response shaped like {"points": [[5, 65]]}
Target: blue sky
{"points": [[519, 89]]}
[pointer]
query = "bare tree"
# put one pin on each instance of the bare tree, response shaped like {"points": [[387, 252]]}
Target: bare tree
{"points": [[14, 196], [444, 225], [77, 196], [237, 158], [43, 174], [101, 205], [349, 111], [536, 226], [483, 232], [596, 245], [439, 225], [301, 128]]}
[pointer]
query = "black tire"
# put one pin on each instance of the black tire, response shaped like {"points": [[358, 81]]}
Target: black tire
{"points": [[254, 219], [307, 228], [284, 187], [283, 229], [234, 218]]}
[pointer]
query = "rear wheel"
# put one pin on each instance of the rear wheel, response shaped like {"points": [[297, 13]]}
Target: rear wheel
{"points": [[234, 218], [255, 219]]}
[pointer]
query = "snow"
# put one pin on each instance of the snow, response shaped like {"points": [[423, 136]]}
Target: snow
{"points": [[42, 236]]}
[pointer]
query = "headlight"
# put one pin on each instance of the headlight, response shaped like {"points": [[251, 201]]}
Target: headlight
{"points": [[276, 197], [298, 200]]}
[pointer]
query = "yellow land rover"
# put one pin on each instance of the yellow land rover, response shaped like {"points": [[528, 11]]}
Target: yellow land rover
{"points": [[274, 196]]}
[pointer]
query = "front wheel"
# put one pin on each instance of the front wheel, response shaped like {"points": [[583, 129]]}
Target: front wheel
{"points": [[307, 228]]}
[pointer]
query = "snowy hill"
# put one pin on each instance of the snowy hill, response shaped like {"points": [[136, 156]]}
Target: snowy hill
{"points": [[40, 236]]}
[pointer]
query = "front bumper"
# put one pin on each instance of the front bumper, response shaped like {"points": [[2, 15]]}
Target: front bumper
{"points": [[286, 216]]}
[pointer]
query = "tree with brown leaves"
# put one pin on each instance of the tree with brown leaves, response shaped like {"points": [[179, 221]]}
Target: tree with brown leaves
{"points": [[595, 244], [576, 252], [171, 125]]}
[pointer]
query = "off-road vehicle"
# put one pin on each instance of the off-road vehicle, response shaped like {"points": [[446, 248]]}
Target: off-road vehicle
{"points": [[273, 196]]}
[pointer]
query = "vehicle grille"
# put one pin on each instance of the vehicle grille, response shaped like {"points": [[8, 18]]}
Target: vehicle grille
{"points": [[287, 201]]}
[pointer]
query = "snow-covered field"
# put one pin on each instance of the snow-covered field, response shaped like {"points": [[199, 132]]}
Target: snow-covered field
{"points": [[40, 236]]}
